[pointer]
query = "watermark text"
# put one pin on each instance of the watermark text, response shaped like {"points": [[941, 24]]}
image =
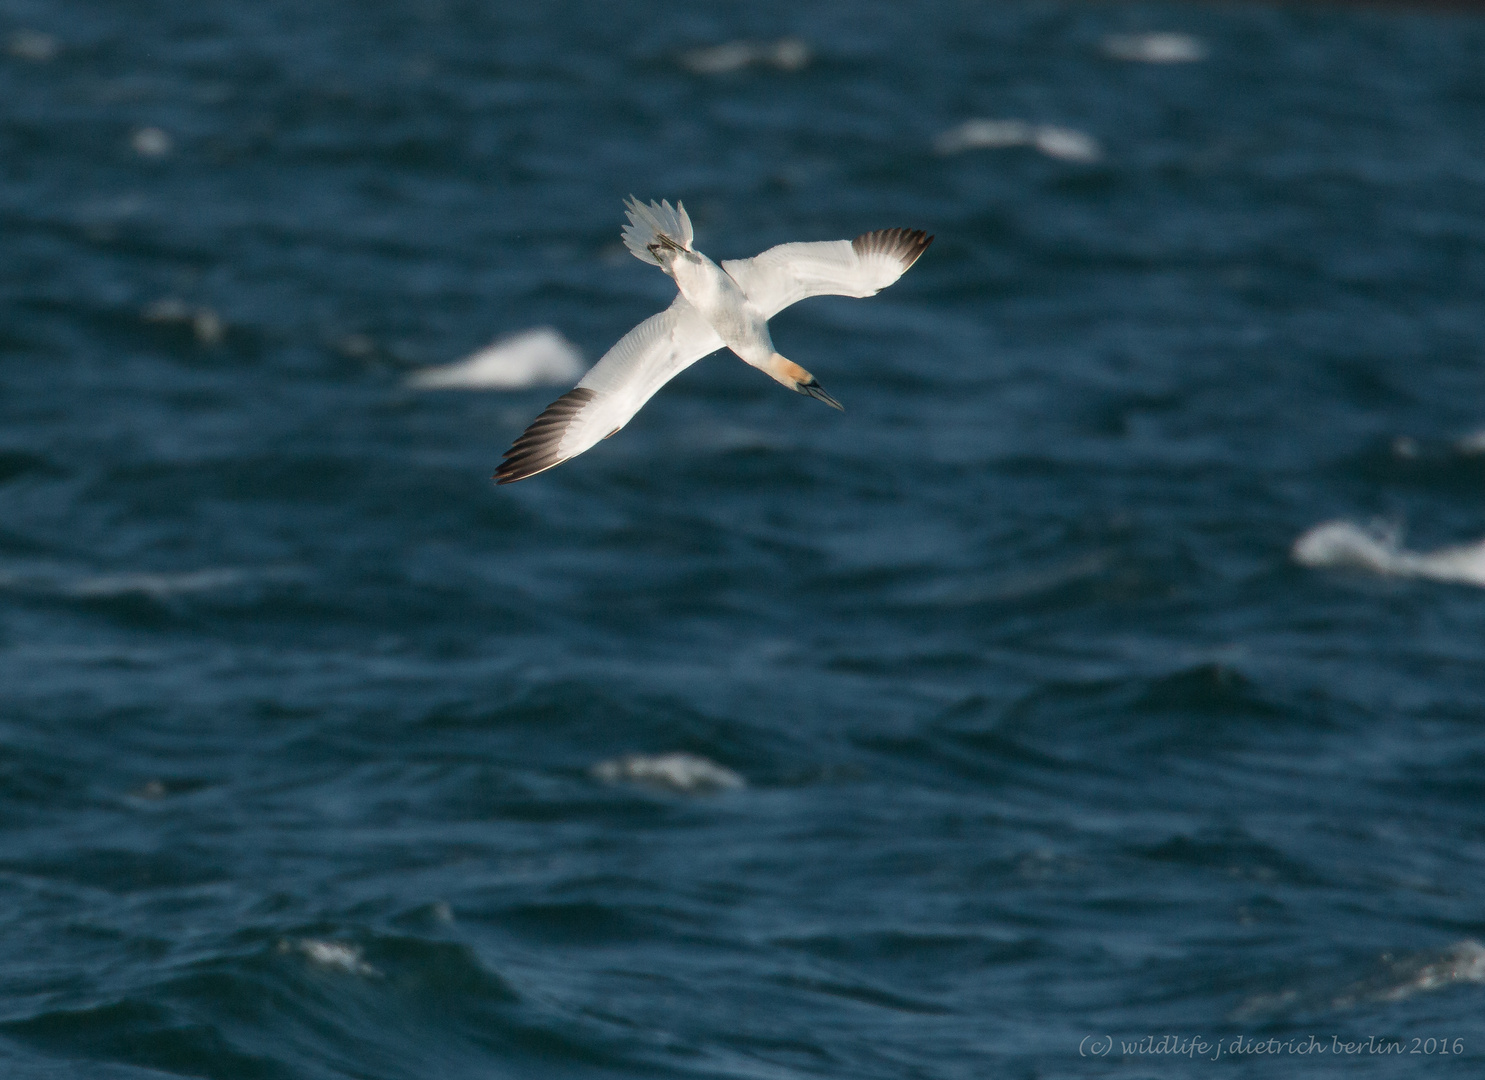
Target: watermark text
{"points": [[1237, 1046]]}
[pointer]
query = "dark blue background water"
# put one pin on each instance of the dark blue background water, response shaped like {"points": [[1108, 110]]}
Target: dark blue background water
{"points": [[1045, 735]]}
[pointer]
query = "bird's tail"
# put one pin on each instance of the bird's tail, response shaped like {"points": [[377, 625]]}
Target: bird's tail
{"points": [[657, 223]]}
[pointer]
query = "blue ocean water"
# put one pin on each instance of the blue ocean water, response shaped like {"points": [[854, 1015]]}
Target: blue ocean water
{"points": [[321, 756]]}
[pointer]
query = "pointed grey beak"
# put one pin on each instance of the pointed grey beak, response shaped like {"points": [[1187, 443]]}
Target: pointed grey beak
{"points": [[816, 391]]}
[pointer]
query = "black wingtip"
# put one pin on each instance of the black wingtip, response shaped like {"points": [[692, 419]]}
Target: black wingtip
{"points": [[905, 245], [536, 449]]}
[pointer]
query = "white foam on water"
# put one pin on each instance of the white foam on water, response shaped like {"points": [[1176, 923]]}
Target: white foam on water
{"points": [[1066, 144], [151, 790], [1462, 962], [169, 309], [155, 586], [1346, 544], [337, 955], [1062, 143], [32, 45], [1471, 444], [1398, 979], [1162, 47], [152, 142], [208, 327], [786, 54], [676, 771], [60, 579], [983, 135], [205, 323], [539, 357]]}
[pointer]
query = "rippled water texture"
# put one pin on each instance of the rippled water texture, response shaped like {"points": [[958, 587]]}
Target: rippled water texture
{"points": [[929, 739]]}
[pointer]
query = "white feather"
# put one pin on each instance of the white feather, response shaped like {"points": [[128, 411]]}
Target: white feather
{"points": [[647, 223], [788, 273], [629, 374], [615, 388]]}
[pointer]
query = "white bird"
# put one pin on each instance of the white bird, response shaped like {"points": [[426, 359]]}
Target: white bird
{"points": [[717, 306]]}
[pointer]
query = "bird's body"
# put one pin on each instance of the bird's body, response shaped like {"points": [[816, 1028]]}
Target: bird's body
{"points": [[726, 306], [722, 303]]}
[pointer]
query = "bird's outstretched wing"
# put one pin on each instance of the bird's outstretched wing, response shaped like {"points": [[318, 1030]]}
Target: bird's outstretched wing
{"points": [[864, 266], [615, 388]]}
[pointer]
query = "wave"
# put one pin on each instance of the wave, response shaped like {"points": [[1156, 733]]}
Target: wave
{"points": [[1394, 979], [202, 321], [150, 585], [1471, 444], [786, 54], [677, 771], [540, 357], [395, 994], [1062, 143], [1161, 47], [1346, 544], [155, 586], [334, 955]]}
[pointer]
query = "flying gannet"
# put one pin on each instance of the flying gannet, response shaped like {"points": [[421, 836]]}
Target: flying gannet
{"points": [[716, 307]]}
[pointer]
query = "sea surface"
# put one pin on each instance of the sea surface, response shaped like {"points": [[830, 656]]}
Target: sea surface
{"points": [[1111, 670]]}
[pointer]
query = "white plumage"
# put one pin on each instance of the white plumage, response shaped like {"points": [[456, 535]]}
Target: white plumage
{"points": [[716, 306], [648, 223]]}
